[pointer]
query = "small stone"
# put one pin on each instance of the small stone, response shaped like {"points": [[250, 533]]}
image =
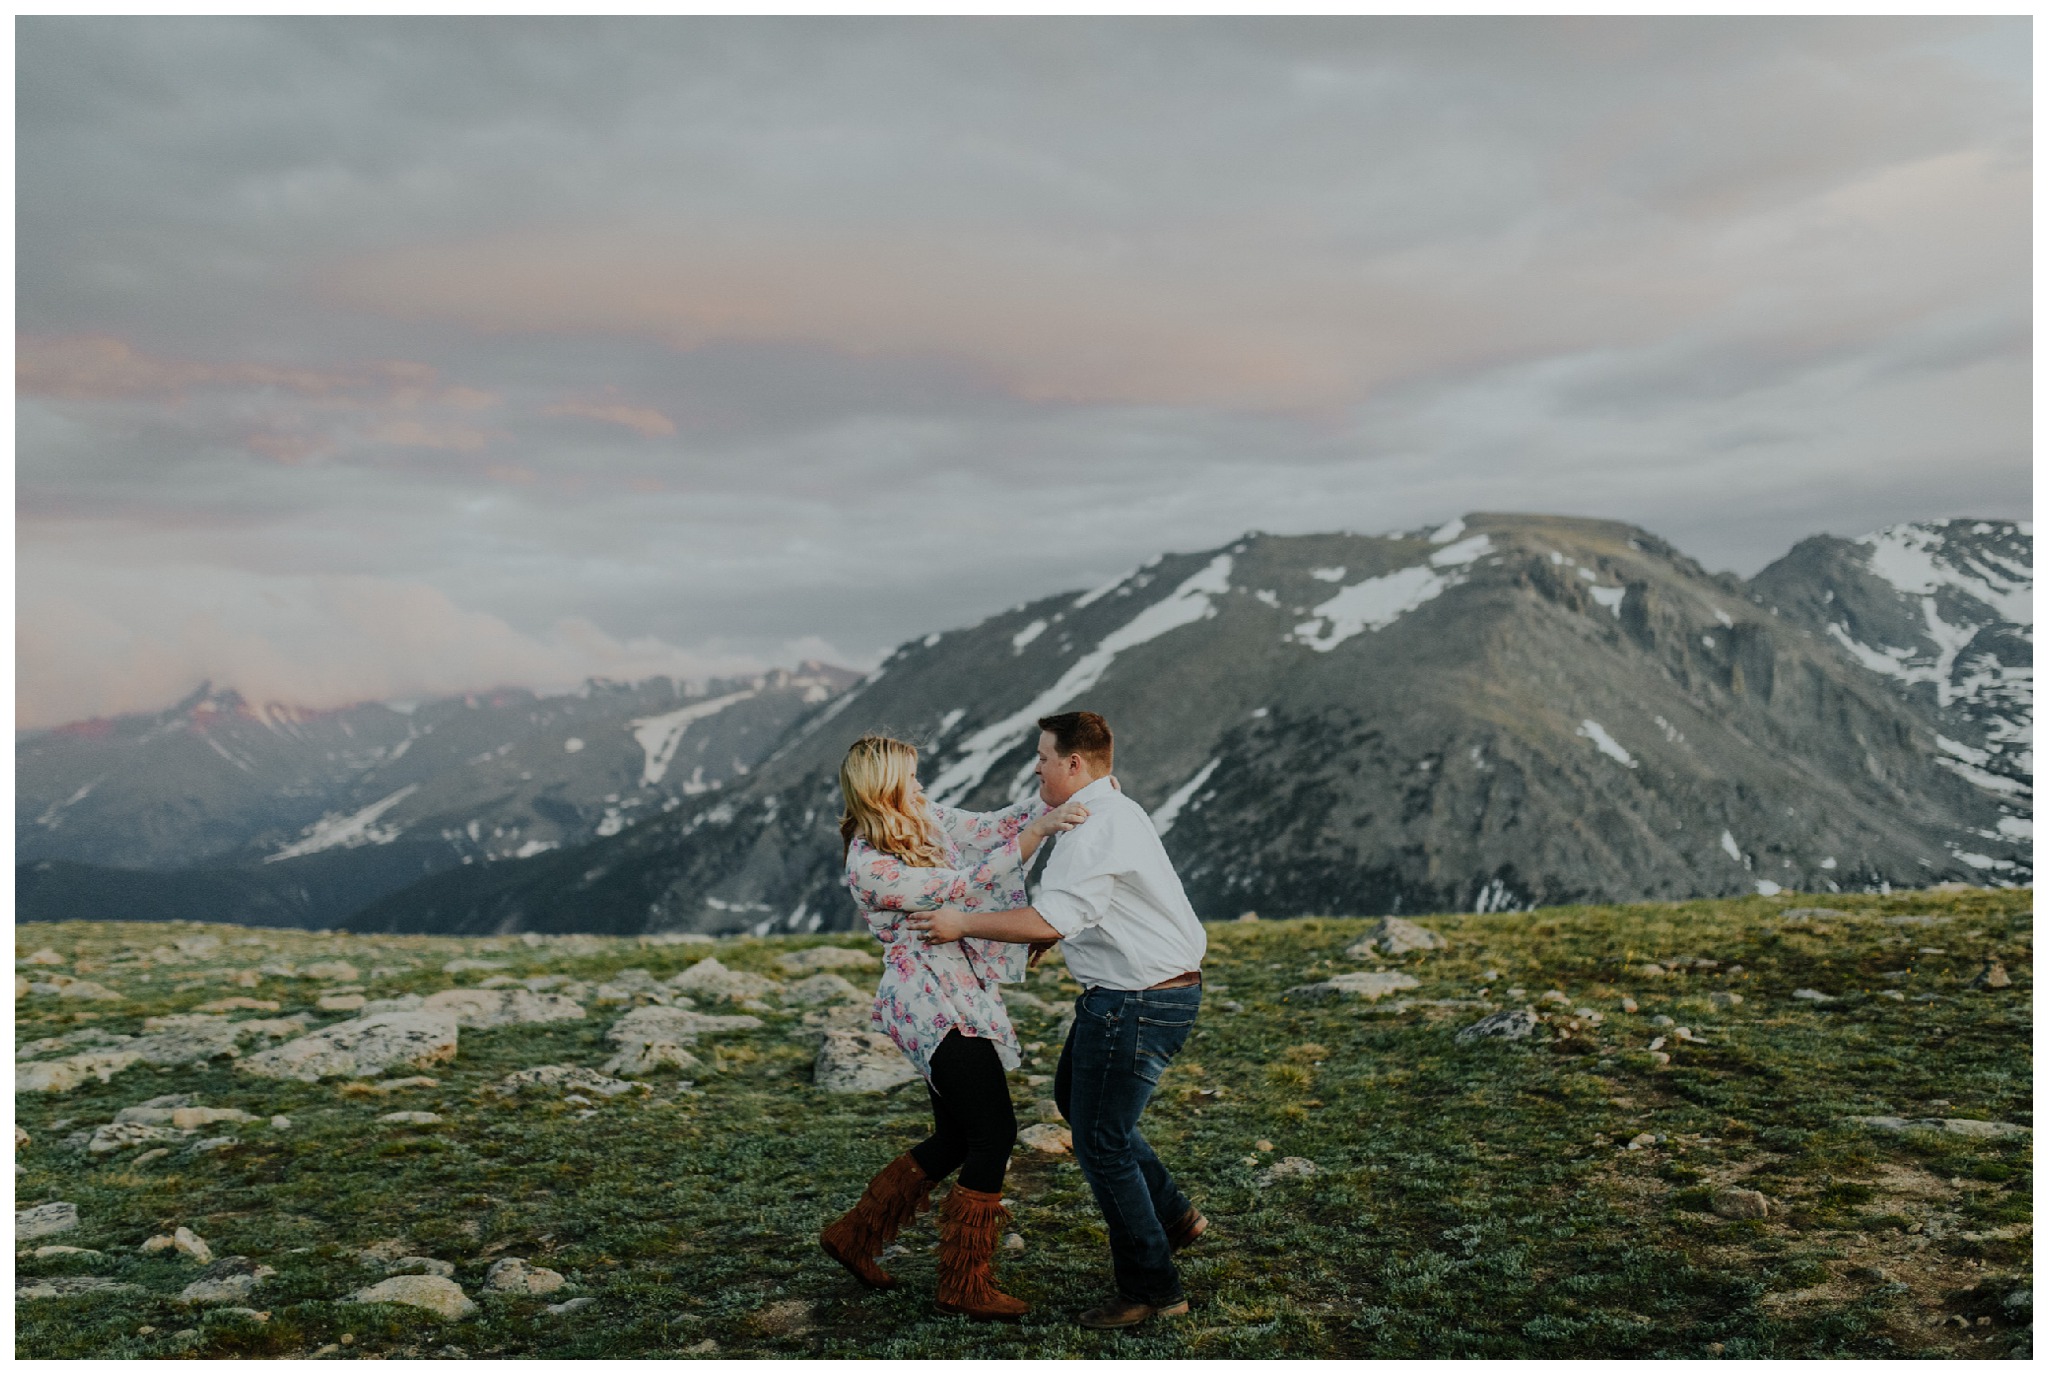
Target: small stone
{"points": [[225, 1281], [281, 1123], [341, 1002], [784, 1318], [416, 1119], [360, 1047], [1371, 986], [332, 971], [707, 1347], [45, 956], [20, 1138], [1657, 1043], [68, 1286], [1049, 1137], [442, 1297], [1641, 1140], [1993, 975], [826, 957], [422, 1265], [1650, 971], [569, 1077], [1661, 1020], [466, 966], [860, 1062], [239, 1005], [826, 988], [1395, 936], [711, 979], [1555, 996], [1722, 997], [1290, 1167], [44, 1220], [1013, 1242], [1661, 1057], [1741, 1203], [1628, 1005], [568, 1306], [1247, 916], [45, 1252], [1509, 1024], [416, 1081], [514, 1276], [1812, 995], [189, 1243]]}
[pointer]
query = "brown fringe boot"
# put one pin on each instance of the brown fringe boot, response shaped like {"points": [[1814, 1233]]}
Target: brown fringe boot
{"points": [[969, 1223], [900, 1192]]}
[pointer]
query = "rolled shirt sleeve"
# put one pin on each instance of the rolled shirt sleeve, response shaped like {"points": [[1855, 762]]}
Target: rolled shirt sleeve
{"points": [[1079, 882]]}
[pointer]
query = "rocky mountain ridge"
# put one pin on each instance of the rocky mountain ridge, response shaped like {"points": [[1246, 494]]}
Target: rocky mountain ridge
{"points": [[1504, 711]]}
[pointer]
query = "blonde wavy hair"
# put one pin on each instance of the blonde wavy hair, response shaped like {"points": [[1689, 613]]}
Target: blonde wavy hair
{"points": [[877, 779]]}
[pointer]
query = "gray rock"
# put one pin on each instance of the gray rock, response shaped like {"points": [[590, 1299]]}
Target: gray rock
{"points": [[1802, 913], [411, 1119], [1741, 1203], [69, 1286], [827, 957], [1053, 1138], [567, 1078], [441, 1297], [1812, 995], [477, 1008], [361, 1047], [860, 1062], [568, 1306], [1992, 975], [1288, 1167], [422, 1265], [1952, 1126], [189, 1243], [1509, 1024], [63, 1075], [226, 1281], [674, 1026], [645, 1057], [712, 979], [1395, 936], [121, 1136], [1371, 986], [467, 966], [331, 971], [822, 988], [514, 1276], [44, 1220]]}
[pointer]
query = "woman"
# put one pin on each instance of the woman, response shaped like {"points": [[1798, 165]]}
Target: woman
{"points": [[940, 1004]]}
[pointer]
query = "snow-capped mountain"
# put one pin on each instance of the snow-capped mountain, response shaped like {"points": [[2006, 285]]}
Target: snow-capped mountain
{"points": [[1503, 711], [342, 805]]}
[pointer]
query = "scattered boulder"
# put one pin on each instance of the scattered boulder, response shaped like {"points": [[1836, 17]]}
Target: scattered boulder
{"points": [[1289, 1167], [68, 1286], [514, 1276], [1722, 997], [200, 1039], [644, 1057], [119, 1136], [784, 1318], [467, 965], [45, 956], [239, 1005], [64, 986], [63, 1075], [1802, 913], [478, 1008], [860, 1062], [1992, 975], [341, 1002], [411, 1119], [675, 1025], [44, 1220], [1953, 1126], [1371, 986], [713, 980], [631, 985], [822, 988], [1015, 998], [422, 1265], [1651, 970], [1812, 995], [46, 1252], [410, 1081], [1394, 936], [1509, 1024], [437, 1295], [569, 1078], [568, 1306], [331, 971], [184, 1116], [361, 1047], [187, 1242], [226, 1281], [1049, 1137], [1740, 1203], [827, 957]]}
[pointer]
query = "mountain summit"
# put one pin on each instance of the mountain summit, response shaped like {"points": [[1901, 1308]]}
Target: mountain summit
{"points": [[1504, 711]]}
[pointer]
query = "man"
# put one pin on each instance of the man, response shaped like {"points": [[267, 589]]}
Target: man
{"points": [[1109, 893]]}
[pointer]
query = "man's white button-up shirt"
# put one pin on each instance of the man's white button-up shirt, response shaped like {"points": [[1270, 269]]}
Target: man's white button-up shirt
{"points": [[1112, 894]]}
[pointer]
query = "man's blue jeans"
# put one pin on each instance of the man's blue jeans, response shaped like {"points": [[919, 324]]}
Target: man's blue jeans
{"points": [[1120, 1044]]}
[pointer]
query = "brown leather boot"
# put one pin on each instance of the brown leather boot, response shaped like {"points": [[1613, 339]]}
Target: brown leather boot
{"points": [[969, 1223], [893, 1197], [1188, 1230]]}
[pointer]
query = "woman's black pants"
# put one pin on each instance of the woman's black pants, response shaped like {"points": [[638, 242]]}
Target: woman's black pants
{"points": [[974, 1128]]}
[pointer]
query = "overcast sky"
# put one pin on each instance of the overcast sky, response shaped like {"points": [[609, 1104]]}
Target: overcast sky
{"points": [[368, 358]]}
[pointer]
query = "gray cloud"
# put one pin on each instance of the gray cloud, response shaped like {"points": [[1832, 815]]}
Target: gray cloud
{"points": [[371, 357]]}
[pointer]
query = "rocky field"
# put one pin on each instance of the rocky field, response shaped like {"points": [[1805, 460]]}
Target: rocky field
{"points": [[1760, 1127]]}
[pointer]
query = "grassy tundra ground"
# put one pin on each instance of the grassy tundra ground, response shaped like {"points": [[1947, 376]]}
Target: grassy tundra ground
{"points": [[1468, 1200]]}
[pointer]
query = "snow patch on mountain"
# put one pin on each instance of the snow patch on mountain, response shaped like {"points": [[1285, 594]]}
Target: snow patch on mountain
{"points": [[1170, 810], [1378, 602], [1192, 601], [660, 735], [347, 831], [1605, 743]]}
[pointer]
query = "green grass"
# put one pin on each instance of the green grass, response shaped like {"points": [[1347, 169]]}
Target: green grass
{"points": [[1471, 1201]]}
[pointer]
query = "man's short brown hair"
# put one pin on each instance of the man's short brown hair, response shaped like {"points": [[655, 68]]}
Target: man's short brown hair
{"points": [[1083, 733]]}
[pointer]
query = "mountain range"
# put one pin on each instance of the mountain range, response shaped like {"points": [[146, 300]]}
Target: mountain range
{"points": [[1502, 712]]}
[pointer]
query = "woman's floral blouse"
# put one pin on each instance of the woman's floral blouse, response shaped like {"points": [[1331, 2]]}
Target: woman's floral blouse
{"points": [[927, 991]]}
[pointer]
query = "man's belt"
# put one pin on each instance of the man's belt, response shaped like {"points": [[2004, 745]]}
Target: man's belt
{"points": [[1191, 979]]}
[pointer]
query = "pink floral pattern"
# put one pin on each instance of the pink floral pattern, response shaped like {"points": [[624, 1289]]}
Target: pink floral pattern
{"points": [[927, 991]]}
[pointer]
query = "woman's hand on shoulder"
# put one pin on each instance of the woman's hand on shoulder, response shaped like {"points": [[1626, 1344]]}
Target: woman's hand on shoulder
{"points": [[1064, 817]]}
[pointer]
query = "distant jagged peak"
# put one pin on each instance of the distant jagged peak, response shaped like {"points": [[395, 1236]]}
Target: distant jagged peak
{"points": [[1992, 561]]}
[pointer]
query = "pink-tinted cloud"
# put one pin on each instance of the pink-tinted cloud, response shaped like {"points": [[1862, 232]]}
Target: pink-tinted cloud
{"points": [[642, 420]]}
